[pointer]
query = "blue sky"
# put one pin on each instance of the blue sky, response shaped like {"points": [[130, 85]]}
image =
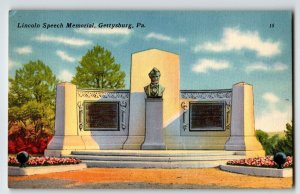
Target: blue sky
{"points": [[216, 48]]}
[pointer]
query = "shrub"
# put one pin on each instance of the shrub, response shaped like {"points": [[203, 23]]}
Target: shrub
{"points": [[27, 139], [275, 143]]}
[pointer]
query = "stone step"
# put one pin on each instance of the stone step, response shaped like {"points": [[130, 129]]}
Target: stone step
{"points": [[156, 153], [155, 158], [147, 164]]}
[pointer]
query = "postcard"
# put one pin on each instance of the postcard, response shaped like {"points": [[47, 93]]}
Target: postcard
{"points": [[150, 99]]}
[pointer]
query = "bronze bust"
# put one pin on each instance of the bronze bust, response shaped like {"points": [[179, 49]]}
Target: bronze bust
{"points": [[154, 89]]}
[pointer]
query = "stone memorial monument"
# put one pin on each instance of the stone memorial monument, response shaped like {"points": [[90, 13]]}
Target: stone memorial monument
{"points": [[154, 134], [148, 116]]}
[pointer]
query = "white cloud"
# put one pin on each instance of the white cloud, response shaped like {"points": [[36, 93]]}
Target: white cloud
{"points": [[24, 50], [203, 65], [104, 31], [234, 39], [165, 38], [272, 119], [270, 97], [280, 67], [276, 67], [64, 56], [65, 75], [257, 67], [62, 40], [12, 63]]}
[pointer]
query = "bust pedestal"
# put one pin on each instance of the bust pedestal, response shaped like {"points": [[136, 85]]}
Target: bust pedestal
{"points": [[154, 136]]}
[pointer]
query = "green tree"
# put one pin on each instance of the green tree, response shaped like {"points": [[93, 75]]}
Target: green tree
{"points": [[269, 143], [286, 144], [262, 136], [34, 81], [275, 143], [32, 96], [98, 69], [289, 135]]}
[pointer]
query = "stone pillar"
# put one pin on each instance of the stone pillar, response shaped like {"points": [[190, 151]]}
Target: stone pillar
{"points": [[154, 137], [242, 137], [66, 135]]}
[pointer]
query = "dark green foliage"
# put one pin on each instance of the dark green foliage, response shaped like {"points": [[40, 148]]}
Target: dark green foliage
{"points": [[275, 144], [286, 144], [289, 135], [262, 136], [267, 142], [98, 69]]}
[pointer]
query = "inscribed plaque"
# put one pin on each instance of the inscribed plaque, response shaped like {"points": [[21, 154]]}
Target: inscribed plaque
{"points": [[101, 116]]}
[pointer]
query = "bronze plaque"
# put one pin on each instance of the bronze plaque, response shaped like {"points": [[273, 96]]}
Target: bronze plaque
{"points": [[101, 116], [206, 116]]}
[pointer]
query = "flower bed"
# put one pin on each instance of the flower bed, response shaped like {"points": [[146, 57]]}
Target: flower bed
{"points": [[44, 161], [267, 162]]}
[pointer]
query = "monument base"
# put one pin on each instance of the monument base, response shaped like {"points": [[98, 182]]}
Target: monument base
{"points": [[154, 137], [153, 147], [56, 153], [248, 145], [134, 142], [60, 145]]}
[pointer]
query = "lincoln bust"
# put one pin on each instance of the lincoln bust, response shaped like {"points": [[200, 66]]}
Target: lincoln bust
{"points": [[154, 89]]}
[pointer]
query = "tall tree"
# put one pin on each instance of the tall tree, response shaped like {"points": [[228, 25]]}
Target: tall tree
{"points": [[34, 81], [31, 96], [98, 69]]}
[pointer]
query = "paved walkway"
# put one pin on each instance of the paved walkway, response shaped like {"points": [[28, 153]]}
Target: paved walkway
{"points": [[125, 178]]}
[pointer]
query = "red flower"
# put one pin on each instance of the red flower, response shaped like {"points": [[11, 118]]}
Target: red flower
{"points": [[260, 162], [42, 161]]}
